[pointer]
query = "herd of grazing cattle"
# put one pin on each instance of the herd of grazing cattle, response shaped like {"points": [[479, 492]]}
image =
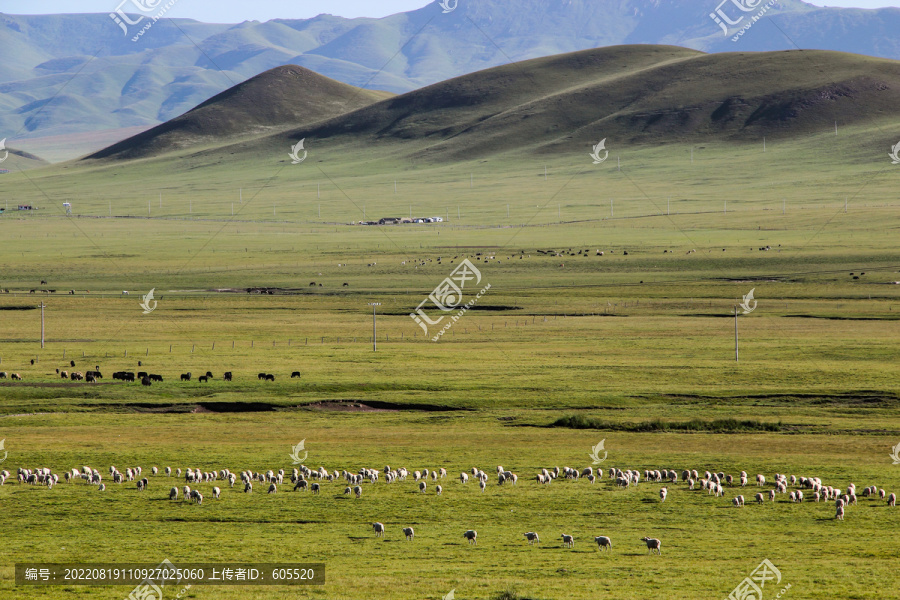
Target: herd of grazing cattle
{"points": [[143, 376]]}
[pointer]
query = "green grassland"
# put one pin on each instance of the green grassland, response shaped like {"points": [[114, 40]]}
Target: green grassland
{"points": [[625, 340]]}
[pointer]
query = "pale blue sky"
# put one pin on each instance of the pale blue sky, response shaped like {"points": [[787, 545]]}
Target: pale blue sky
{"points": [[235, 11]]}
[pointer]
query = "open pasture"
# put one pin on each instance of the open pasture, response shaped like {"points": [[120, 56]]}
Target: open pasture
{"points": [[631, 347]]}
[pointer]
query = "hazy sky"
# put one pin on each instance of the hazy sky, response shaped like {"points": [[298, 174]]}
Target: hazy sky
{"points": [[235, 11]]}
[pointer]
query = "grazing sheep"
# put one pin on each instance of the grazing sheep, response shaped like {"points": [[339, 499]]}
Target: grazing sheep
{"points": [[379, 529], [839, 514], [438, 490], [738, 501], [482, 484], [216, 493], [653, 544], [892, 500], [422, 486], [173, 493], [357, 491], [272, 489], [472, 536], [102, 487], [314, 488], [603, 542], [409, 533], [197, 496], [168, 471], [772, 495], [532, 537], [463, 478], [568, 541], [759, 498], [663, 492], [248, 487]]}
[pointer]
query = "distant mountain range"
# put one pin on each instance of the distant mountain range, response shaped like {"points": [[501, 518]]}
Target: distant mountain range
{"points": [[637, 94], [65, 74]]}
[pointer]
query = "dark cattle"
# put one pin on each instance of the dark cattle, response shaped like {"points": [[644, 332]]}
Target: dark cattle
{"points": [[270, 377], [142, 374], [31, 292], [129, 377], [155, 377], [72, 292], [295, 374], [94, 374], [57, 371], [145, 381], [90, 378], [140, 364], [185, 376], [228, 376], [72, 363], [261, 376], [52, 291], [119, 375], [32, 360], [203, 379], [346, 285], [209, 375]]}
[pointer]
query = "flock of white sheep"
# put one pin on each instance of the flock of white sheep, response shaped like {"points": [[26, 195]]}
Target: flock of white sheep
{"points": [[303, 478]]}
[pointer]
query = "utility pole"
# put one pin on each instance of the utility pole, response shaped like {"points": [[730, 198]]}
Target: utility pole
{"points": [[374, 330], [735, 335], [42, 323]]}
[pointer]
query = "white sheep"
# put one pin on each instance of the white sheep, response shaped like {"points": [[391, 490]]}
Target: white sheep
{"points": [[663, 492], [173, 493], [409, 533], [198, 497], [839, 514], [472, 536], [482, 484], [892, 500], [357, 491], [568, 541], [532, 537], [248, 487], [603, 542], [154, 471], [739, 501], [102, 487], [422, 486], [438, 490], [463, 478], [314, 488], [379, 529], [759, 498], [272, 489], [653, 544], [168, 471]]}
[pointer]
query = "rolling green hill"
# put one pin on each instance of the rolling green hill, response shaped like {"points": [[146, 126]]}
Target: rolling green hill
{"points": [[565, 103], [277, 99]]}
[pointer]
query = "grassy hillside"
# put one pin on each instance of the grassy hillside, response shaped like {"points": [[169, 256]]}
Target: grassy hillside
{"points": [[280, 98], [565, 104]]}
